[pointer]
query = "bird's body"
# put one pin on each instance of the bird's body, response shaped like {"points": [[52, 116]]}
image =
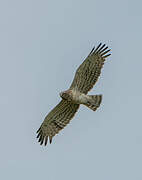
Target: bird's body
{"points": [[86, 76], [74, 96]]}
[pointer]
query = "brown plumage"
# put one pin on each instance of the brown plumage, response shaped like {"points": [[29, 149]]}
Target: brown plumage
{"points": [[88, 72], [86, 76], [56, 120]]}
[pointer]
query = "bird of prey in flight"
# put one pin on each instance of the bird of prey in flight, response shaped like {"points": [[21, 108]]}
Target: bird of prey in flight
{"points": [[85, 78]]}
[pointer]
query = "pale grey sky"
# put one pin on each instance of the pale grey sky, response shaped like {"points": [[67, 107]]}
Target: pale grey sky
{"points": [[41, 44]]}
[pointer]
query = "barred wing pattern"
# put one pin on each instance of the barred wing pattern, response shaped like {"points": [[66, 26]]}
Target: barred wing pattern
{"points": [[56, 120], [88, 72]]}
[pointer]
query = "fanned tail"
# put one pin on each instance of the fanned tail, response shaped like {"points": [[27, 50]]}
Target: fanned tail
{"points": [[94, 101]]}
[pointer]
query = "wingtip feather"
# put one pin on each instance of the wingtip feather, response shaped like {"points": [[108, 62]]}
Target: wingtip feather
{"points": [[50, 139]]}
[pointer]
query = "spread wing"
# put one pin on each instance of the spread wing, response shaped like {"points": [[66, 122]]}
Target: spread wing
{"points": [[56, 120], [88, 72]]}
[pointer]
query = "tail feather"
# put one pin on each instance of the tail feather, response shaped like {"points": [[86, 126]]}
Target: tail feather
{"points": [[94, 101]]}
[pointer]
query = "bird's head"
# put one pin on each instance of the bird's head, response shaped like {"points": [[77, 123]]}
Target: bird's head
{"points": [[66, 95]]}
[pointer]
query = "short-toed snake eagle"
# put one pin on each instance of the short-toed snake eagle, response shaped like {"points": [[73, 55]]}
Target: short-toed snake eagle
{"points": [[85, 78]]}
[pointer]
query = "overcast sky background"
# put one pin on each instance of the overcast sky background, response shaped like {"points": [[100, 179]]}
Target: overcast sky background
{"points": [[41, 45]]}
